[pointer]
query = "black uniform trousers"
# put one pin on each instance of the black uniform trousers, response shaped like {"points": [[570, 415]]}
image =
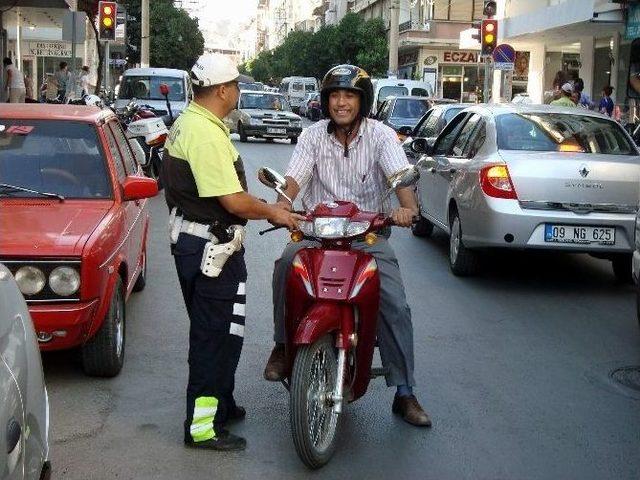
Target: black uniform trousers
{"points": [[216, 309]]}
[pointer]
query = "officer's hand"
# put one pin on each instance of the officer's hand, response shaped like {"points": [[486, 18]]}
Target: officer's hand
{"points": [[284, 204], [281, 216], [403, 217]]}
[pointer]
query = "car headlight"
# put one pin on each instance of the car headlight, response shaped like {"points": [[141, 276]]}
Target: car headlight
{"points": [[64, 281], [338, 227], [296, 123], [30, 280], [254, 121]]}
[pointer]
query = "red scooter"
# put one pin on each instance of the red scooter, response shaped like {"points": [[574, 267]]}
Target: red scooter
{"points": [[331, 317]]}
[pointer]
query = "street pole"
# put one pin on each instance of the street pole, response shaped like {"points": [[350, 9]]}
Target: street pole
{"points": [[394, 33], [487, 71], [107, 54], [144, 37], [73, 41]]}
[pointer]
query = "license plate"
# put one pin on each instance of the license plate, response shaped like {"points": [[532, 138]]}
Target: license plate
{"points": [[579, 234], [276, 130]]}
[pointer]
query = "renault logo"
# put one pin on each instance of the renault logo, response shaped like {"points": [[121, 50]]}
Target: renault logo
{"points": [[584, 171]]}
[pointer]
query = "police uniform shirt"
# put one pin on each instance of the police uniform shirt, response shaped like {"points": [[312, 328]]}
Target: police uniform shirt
{"points": [[200, 164]]}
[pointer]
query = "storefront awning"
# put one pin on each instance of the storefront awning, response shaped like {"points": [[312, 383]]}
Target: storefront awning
{"points": [[34, 3]]}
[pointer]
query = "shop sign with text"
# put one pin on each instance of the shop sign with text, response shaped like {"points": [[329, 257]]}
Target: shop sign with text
{"points": [[459, 57], [50, 49]]}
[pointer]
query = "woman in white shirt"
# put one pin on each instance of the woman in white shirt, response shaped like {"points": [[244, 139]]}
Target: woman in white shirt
{"points": [[14, 82]]}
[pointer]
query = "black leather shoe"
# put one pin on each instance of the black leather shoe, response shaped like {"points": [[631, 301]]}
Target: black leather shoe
{"points": [[275, 369], [224, 441], [410, 411]]}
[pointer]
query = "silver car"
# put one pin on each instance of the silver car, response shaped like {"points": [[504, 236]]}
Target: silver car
{"points": [[264, 115], [530, 177], [24, 405]]}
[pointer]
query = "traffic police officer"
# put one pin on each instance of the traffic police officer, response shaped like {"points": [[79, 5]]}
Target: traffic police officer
{"points": [[205, 189]]}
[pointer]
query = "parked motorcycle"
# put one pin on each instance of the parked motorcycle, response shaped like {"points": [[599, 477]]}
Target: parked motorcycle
{"points": [[331, 309], [142, 124]]}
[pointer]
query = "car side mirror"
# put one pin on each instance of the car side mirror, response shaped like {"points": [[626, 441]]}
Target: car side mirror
{"points": [[136, 188], [421, 145]]}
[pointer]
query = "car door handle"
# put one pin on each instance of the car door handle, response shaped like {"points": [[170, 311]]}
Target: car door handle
{"points": [[14, 432]]}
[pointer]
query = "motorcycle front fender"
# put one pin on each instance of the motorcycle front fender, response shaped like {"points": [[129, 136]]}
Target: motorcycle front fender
{"points": [[320, 319]]}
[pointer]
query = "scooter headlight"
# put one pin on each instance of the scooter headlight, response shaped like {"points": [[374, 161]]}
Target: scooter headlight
{"points": [[338, 227]]}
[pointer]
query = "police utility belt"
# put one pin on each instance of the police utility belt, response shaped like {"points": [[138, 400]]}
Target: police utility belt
{"points": [[215, 254]]}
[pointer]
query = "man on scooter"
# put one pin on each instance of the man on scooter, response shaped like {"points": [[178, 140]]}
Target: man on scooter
{"points": [[349, 157]]}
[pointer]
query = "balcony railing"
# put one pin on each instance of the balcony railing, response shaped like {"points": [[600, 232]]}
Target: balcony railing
{"points": [[414, 25]]}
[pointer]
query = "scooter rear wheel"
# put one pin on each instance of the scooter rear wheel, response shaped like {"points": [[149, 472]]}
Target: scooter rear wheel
{"points": [[314, 424]]}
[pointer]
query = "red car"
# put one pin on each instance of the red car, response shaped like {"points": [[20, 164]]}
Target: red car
{"points": [[73, 225]]}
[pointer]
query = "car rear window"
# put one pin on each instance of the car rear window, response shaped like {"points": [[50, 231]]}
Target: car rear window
{"points": [[266, 101], [392, 92], [410, 108], [148, 87], [561, 132], [62, 157]]}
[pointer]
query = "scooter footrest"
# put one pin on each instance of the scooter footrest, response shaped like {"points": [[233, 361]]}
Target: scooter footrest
{"points": [[379, 372]]}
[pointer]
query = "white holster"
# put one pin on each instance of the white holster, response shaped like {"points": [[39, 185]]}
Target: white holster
{"points": [[216, 255], [175, 225]]}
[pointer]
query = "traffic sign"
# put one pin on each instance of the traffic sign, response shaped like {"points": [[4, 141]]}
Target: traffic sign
{"points": [[504, 53], [504, 57]]}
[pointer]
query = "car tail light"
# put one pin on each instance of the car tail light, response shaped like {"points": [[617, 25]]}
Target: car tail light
{"points": [[301, 271], [496, 182], [366, 274]]}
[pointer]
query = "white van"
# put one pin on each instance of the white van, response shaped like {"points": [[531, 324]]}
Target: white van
{"points": [[388, 87], [295, 89], [143, 84]]}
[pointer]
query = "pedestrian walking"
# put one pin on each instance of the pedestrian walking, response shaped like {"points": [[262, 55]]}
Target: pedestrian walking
{"points": [[606, 103], [206, 192], [62, 77], [13, 82], [349, 157], [583, 99], [566, 99], [84, 80]]}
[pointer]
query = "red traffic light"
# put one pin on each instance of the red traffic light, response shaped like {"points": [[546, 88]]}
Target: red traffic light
{"points": [[107, 20], [488, 36]]}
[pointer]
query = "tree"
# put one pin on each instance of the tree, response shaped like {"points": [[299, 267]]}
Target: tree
{"points": [[176, 40], [90, 7], [353, 40]]}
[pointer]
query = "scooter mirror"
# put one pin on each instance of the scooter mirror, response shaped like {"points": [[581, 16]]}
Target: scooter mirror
{"points": [[272, 179], [404, 178]]}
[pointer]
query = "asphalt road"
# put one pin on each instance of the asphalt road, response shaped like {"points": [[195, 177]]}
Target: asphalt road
{"points": [[514, 367]]}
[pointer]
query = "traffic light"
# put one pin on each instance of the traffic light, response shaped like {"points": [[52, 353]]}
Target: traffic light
{"points": [[107, 20], [489, 33], [489, 9]]}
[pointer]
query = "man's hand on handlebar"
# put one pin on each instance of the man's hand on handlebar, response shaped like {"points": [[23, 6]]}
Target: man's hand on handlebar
{"points": [[283, 217], [403, 217]]}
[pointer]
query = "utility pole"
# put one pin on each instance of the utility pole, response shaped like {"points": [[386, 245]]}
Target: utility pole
{"points": [[144, 37], [394, 32]]}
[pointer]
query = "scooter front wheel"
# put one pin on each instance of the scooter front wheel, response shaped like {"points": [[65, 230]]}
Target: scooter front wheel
{"points": [[314, 424]]}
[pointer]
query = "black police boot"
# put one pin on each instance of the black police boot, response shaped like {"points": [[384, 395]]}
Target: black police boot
{"points": [[224, 441]]}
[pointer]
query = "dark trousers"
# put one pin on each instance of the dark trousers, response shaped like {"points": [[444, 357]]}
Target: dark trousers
{"points": [[216, 309]]}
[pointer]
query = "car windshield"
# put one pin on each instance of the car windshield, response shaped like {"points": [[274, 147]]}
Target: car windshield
{"points": [[561, 132], [148, 88], [391, 92], [410, 108], [250, 86], [61, 157], [266, 101]]}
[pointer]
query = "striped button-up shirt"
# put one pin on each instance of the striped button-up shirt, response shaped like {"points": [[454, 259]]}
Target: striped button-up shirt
{"points": [[319, 164]]}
